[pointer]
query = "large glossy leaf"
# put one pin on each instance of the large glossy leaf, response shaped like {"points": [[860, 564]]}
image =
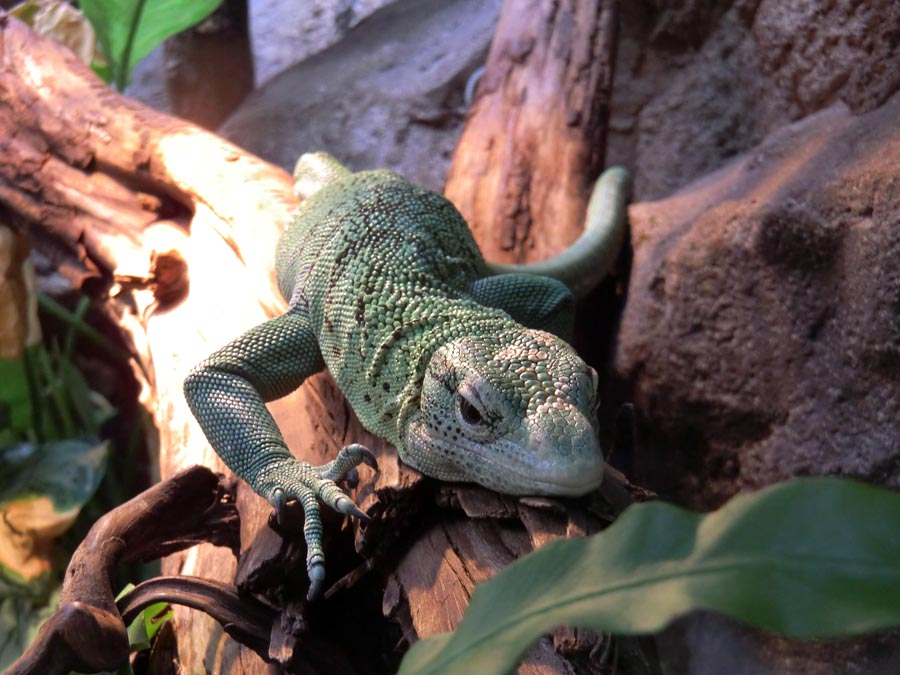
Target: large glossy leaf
{"points": [[128, 30], [817, 557]]}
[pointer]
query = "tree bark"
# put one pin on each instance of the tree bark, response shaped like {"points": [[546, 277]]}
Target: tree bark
{"points": [[209, 68], [124, 202], [536, 136]]}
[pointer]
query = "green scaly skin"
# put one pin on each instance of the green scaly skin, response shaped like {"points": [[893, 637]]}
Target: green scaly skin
{"points": [[464, 370]]}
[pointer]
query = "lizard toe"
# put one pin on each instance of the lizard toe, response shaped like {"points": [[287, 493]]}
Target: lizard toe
{"points": [[348, 459]]}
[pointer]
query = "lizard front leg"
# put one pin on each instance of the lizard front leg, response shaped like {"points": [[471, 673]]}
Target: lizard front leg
{"points": [[227, 394], [535, 301]]}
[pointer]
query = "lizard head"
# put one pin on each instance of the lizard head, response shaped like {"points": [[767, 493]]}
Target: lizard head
{"points": [[513, 411]]}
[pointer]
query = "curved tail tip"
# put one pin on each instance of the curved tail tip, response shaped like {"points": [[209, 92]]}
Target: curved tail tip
{"points": [[618, 175]]}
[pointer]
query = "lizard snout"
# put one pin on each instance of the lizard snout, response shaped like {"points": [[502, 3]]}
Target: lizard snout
{"points": [[564, 452]]}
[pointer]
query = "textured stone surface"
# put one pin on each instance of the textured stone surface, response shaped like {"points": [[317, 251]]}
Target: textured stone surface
{"points": [[761, 341], [284, 33], [699, 82], [367, 101], [762, 330]]}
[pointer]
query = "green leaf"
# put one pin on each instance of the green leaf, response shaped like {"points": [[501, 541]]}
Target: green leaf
{"points": [[20, 618], [813, 557], [147, 623], [16, 410], [128, 30], [42, 490]]}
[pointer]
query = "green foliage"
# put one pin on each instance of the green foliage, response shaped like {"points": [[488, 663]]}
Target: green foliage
{"points": [[51, 462], [21, 616], [128, 30], [146, 624], [809, 558]]}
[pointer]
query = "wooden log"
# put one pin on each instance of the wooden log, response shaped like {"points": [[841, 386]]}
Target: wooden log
{"points": [[88, 632], [535, 139], [112, 190], [117, 193]]}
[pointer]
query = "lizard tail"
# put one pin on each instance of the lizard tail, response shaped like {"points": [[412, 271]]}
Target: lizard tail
{"points": [[591, 257], [315, 170]]}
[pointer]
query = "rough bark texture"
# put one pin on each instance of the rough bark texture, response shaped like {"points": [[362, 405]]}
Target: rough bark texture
{"points": [[535, 139], [209, 68], [124, 202], [108, 187]]}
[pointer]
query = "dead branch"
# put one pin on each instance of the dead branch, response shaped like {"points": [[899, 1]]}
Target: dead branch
{"points": [[88, 632]]}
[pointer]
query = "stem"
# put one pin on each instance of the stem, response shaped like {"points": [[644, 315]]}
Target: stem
{"points": [[122, 70], [76, 321]]}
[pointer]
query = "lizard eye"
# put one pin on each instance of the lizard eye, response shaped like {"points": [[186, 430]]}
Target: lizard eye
{"points": [[469, 413]]}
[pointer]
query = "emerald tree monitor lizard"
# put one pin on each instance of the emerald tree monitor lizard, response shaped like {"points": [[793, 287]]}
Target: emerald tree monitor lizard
{"points": [[461, 365]]}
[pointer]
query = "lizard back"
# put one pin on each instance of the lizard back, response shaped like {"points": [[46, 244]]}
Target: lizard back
{"points": [[384, 268]]}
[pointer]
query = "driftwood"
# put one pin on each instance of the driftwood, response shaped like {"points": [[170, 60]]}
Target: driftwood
{"points": [[88, 633], [124, 202], [535, 139]]}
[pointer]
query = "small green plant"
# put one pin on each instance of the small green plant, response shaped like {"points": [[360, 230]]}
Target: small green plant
{"points": [[51, 461], [813, 557], [146, 625], [128, 30]]}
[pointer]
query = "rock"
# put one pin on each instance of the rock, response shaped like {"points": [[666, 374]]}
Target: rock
{"points": [[761, 339], [761, 336], [699, 82], [367, 101], [284, 33]]}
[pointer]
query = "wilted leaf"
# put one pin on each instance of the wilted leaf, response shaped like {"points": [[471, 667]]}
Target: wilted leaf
{"points": [[42, 491], [60, 21], [812, 557]]}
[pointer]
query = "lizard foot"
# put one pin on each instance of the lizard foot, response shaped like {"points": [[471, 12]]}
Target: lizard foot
{"points": [[310, 484]]}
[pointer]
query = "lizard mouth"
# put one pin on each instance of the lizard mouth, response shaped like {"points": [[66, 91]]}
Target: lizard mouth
{"points": [[529, 475], [506, 466]]}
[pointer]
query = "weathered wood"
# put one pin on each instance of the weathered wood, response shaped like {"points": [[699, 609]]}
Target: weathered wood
{"points": [[536, 136], [87, 633], [111, 188]]}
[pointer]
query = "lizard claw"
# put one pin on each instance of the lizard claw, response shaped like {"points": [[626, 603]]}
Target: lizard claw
{"points": [[278, 503], [316, 573], [348, 458], [369, 459], [347, 506], [309, 485]]}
